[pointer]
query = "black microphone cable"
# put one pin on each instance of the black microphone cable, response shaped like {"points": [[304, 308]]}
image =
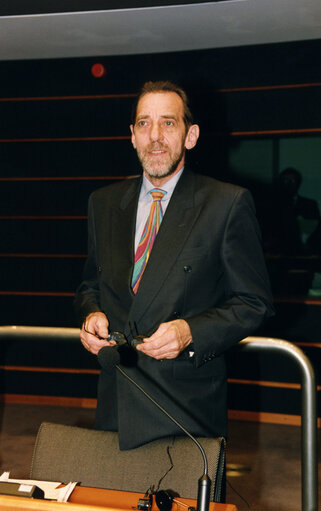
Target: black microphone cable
{"points": [[167, 414]]}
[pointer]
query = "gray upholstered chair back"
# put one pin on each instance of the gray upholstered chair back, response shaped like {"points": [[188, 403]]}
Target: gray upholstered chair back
{"points": [[68, 453]]}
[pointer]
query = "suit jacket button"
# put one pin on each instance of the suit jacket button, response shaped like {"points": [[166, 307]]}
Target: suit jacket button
{"points": [[187, 269]]}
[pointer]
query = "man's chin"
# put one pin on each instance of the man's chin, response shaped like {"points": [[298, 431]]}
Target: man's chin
{"points": [[160, 170], [157, 171]]}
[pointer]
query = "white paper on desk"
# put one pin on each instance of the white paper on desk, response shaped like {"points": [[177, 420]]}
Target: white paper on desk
{"points": [[50, 489], [64, 493]]}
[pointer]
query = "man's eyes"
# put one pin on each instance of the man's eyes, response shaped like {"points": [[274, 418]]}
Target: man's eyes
{"points": [[168, 123]]}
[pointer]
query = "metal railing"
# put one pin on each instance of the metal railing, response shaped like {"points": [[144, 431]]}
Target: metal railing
{"points": [[309, 462], [309, 451]]}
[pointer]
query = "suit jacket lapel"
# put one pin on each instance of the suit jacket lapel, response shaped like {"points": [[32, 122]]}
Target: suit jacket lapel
{"points": [[176, 225], [122, 239]]}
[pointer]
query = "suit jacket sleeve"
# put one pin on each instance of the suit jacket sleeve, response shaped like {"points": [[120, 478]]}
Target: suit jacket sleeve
{"points": [[87, 298], [247, 297]]}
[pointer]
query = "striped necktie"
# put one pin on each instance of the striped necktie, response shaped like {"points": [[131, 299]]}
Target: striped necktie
{"points": [[148, 237]]}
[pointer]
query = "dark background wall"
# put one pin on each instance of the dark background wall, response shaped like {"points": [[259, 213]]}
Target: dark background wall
{"points": [[64, 133]]}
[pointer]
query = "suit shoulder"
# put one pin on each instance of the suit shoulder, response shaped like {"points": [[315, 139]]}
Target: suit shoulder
{"points": [[113, 192], [219, 188]]}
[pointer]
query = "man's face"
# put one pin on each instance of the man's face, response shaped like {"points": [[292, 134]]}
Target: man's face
{"points": [[159, 134]]}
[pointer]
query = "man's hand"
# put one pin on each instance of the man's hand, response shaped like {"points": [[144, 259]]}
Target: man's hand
{"points": [[94, 332], [168, 341]]}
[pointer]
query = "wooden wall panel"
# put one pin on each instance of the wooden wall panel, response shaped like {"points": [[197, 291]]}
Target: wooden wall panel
{"points": [[43, 308], [65, 158], [62, 198], [41, 274], [52, 235]]}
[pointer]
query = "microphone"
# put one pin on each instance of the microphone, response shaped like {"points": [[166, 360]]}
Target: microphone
{"points": [[111, 357]]}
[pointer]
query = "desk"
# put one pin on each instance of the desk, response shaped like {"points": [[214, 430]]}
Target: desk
{"points": [[94, 499]]}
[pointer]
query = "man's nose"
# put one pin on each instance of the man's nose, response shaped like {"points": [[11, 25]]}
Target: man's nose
{"points": [[155, 132]]}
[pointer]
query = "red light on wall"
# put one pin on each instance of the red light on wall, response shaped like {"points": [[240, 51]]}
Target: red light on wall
{"points": [[98, 70]]}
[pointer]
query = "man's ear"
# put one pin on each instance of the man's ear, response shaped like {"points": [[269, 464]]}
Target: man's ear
{"points": [[133, 139], [192, 136]]}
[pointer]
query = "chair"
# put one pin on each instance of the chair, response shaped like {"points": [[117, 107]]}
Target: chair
{"points": [[92, 458]]}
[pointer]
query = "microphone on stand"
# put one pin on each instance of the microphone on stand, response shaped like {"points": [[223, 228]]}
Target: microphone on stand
{"points": [[110, 357]]}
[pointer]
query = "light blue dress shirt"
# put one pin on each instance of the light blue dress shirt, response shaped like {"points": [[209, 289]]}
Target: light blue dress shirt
{"points": [[145, 200]]}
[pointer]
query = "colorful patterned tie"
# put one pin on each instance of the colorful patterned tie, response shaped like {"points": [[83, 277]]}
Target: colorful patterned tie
{"points": [[148, 237]]}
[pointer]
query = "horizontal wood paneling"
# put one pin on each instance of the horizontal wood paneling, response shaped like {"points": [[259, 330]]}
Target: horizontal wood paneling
{"points": [[51, 352], [270, 400], [41, 274], [40, 310], [70, 118], [69, 384], [47, 198], [49, 384], [68, 158], [269, 418], [271, 109], [81, 402], [43, 236]]}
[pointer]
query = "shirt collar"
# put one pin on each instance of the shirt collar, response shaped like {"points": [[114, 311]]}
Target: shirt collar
{"points": [[168, 187]]}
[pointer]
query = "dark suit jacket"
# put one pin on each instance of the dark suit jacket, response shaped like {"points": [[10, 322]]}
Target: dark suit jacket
{"points": [[206, 267]]}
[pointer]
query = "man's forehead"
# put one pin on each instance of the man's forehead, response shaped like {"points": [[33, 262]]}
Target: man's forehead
{"points": [[164, 102]]}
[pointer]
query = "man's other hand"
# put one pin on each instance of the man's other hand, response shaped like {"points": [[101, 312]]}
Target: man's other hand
{"points": [[169, 340]]}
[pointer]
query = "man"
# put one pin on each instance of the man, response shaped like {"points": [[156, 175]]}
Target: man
{"points": [[298, 222], [204, 287]]}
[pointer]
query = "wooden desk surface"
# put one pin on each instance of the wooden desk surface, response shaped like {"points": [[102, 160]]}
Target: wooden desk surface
{"points": [[94, 499], [128, 500]]}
